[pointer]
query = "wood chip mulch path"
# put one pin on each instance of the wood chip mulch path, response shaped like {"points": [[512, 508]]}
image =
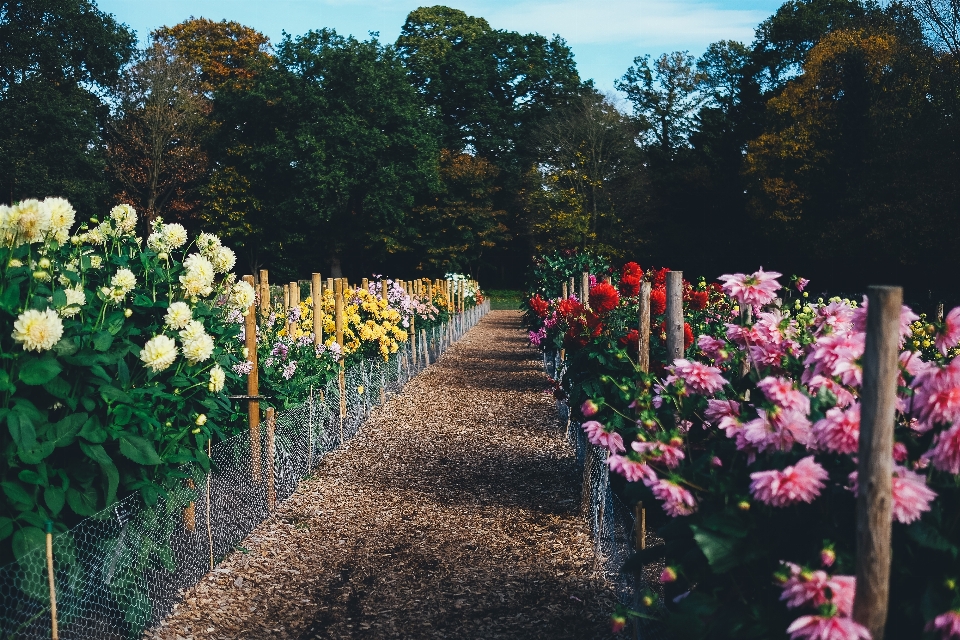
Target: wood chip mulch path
{"points": [[453, 514]]}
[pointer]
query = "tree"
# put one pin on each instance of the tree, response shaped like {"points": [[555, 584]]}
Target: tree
{"points": [[941, 19], [336, 144], [56, 57], [461, 223], [665, 97], [154, 138]]}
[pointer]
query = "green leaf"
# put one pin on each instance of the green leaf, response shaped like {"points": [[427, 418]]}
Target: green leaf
{"points": [[40, 371], [32, 477], [926, 535], [21, 430], [66, 347], [37, 453], [139, 450], [83, 503], [5, 384], [112, 394], [55, 497], [6, 527], [59, 299], [103, 341], [67, 429], [93, 431], [98, 454], [21, 500], [123, 373], [10, 298], [720, 550], [142, 300], [27, 541], [58, 388]]}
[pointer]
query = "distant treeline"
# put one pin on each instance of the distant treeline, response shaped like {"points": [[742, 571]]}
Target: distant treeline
{"points": [[828, 147]]}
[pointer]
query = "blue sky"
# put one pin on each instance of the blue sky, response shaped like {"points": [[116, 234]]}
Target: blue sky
{"points": [[605, 35]]}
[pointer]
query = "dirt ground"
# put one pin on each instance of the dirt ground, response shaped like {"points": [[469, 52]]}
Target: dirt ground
{"points": [[453, 514]]}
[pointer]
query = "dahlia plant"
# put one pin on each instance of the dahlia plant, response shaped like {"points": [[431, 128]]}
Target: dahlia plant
{"points": [[748, 443], [115, 361]]}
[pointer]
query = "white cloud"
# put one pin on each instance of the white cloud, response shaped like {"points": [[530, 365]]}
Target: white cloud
{"points": [[653, 23]]}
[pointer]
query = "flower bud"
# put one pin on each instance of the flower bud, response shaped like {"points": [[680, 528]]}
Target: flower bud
{"points": [[44, 263], [647, 601], [201, 420], [589, 408], [163, 256], [827, 557], [246, 353], [195, 431], [899, 451], [716, 462], [617, 623], [127, 313], [950, 584], [743, 505], [669, 574]]}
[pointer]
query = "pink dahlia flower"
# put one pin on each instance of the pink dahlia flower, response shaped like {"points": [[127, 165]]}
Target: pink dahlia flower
{"points": [[839, 430], [777, 430], [597, 435], [801, 482], [907, 317], [836, 317], [946, 624], [899, 452], [589, 408], [911, 495], [836, 355], [669, 454], [945, 454], [950, 336], [712, 347], [632, 470], [677, 501], [937, 395], [718, 409], [780, 391], [697, 377], [816, 588], [754, 290], [844, 397], [826, 628]]}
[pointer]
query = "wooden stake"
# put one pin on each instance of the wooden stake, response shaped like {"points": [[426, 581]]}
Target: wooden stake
{"points": [[338, 310], [330, 284], [316, 298], [644, 328], [674, 319], [54, 632], [253, 386], [640, 526], [264, 293], [878, 403], [571, 286], [271, 472], [564, 292], [384, 289], [292, 301], [585, 289], [365, 284]]}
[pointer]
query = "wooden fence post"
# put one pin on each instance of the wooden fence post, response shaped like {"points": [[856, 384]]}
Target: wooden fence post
{"points": [[54, 632], [585, 290], [384, 289], [365, 284], [563, 291], [571, 286], [674, 319], [271, 449], [253, 386], [264, 293], [878, 401], [643, 357], [316, 298]]}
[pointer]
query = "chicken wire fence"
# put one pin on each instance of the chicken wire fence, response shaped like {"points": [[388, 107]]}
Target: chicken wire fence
{"points": [[612, 522], [121, 571]]}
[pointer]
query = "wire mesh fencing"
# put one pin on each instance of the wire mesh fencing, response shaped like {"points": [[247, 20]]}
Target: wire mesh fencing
{"points": [[121, 571], [613, 523]]}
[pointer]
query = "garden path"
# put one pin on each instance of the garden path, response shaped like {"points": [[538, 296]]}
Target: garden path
{"points": [[453, 514]]}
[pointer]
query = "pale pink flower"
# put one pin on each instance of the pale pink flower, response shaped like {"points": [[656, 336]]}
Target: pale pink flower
{"points": [[599, 436], [816, 588], [836, 355], [833, 318], [945, 454], [843, 590], [913, 363], [907, 317], [947, 624], [827, 628], [839, 430], [911, 495], [712, 347], [753, 290], [632, 470], [801, 482], [936, 397], [777, 430], [698, 377], [780, 391], [718, 409], [950, 336], [843, 395], [677, 501], [669, 454]]}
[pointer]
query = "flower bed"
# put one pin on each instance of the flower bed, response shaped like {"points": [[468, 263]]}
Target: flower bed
{"points": [[748, 445]]}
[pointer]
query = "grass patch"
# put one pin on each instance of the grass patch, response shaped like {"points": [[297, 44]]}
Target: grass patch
{"points": [[501, 299]]}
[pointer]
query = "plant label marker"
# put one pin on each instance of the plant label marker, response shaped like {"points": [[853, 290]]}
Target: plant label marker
{"points": [[875, 464]]}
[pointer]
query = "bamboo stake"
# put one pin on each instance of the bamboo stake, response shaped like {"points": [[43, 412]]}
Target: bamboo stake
{"points": [[271, 442], [571, 288], [644, 329], [564, 293], [878, 402], [674, 319], [264, 293], [54, 632], [329, 284], [253, 386], [316, 298], [209, 525]]}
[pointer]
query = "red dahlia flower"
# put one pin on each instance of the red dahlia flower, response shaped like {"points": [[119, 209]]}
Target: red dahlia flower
{"points": [[632, 269], [658, 301], [570, 308], [697, 300], [630, 285], [540, 306], [604, 298]]}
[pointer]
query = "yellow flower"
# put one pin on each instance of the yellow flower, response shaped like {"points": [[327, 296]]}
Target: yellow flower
{"points": [[159, 352], [38, 330]]}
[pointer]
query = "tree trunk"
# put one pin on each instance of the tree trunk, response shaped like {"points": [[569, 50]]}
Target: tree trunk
{"points": [[335, 271]]}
